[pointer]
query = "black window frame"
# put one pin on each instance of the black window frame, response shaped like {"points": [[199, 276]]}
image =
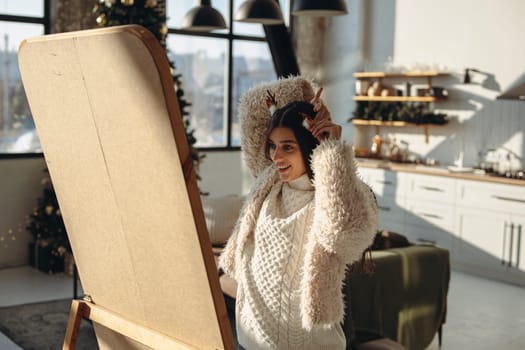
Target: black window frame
{"points": [[280, 48], [46, 21]]}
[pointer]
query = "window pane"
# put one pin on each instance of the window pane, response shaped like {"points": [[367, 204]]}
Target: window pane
{"points": [[252, 64], [201, 61], [33, 8], [177, 9], [256, 29], [17, 130]]}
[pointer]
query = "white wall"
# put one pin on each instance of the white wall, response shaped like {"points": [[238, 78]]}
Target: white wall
{"points": [[20, 189], [482, 34], [223, 173]]}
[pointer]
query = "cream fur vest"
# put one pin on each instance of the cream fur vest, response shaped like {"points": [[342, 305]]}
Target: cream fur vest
{"points": [[345, 214]]}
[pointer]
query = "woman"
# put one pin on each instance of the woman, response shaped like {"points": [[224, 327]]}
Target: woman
{"points": [[308, 216]]}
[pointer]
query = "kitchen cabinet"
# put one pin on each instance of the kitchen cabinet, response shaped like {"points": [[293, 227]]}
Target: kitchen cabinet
{"points": [[491, 219], [482, 224], [429, 210], [388, 187]]}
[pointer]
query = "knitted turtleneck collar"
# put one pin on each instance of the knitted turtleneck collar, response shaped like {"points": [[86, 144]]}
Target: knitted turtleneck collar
{"points": [[302, 183]]}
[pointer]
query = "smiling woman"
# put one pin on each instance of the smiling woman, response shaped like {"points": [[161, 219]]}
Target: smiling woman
{"points": [[308, 216]]}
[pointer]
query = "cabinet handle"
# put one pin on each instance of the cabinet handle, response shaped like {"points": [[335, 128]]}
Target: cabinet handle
{"points": [[383, 208], [384, 182], [509, 199], [433, 216], [504, 243], [511, 243], [435, 189], [518, 246], [427, 241]]}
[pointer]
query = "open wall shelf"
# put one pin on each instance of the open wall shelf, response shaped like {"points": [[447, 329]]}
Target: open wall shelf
{"points": [[379, 75], [410, 75], [396, 124], [396, 99]]}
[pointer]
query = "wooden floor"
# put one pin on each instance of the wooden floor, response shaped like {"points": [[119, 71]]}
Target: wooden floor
{"points": [[482, 314]]}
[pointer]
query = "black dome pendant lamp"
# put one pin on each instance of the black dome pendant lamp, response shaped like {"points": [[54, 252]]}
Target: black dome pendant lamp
{"points": [[319, 8], [265, 12], [203, 18]]}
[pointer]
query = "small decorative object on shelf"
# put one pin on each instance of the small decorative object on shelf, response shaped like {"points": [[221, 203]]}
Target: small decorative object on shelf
{"points": [[375, 150]]}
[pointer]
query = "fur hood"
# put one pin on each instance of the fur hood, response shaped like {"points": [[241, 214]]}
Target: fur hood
{"points": [[254, 116], [345, 214]]}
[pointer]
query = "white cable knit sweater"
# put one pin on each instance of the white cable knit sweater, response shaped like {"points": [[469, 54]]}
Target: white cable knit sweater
{"points": [[268, 299]]}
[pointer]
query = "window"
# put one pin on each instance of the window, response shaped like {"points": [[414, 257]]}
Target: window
{"points": [[18, 20], [217, 68]]}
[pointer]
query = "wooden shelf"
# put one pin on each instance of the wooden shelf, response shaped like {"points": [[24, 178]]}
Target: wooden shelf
{"points": [[396, 124], [376, 75], [380, 123], [396, 98]]}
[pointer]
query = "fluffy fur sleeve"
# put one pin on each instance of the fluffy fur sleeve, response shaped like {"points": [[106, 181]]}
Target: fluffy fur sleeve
{"points": [[254, 116], [345, 218], [231, 255]]}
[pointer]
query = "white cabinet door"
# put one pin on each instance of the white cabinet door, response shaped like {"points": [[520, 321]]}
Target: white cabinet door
{"points": [[490, 227], [484, 239]]}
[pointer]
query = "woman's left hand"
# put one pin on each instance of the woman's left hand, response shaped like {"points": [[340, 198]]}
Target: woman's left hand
{"points": [[322, 126]]}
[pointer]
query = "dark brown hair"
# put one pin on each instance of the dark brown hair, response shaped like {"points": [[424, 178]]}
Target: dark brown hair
{"points": [[290, 116]]}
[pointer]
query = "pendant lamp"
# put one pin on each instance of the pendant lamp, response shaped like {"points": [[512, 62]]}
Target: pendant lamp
{"points": [[260, 11], [319, 8], [203, 18]]}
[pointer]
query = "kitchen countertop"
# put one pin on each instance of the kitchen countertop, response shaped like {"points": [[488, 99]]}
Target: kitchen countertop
{"points": [[434, 170]]}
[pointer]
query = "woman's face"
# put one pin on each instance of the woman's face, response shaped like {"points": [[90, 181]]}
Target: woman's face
{"points": [[285, 153]]}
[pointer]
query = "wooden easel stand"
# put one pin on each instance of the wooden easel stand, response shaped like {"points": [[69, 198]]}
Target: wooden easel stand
{"points": [[89, 311]]}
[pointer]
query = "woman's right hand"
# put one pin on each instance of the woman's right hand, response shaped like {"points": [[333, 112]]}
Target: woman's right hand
{"points": [[322, 126]]}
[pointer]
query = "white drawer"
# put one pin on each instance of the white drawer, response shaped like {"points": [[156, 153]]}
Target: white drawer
{"points": [[390, 211], [429, 215], [383, 182], [431, 188], [496, 197]]}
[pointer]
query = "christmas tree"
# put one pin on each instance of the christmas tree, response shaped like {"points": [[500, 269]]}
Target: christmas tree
{"points": [[45, 224], [152, 15]]}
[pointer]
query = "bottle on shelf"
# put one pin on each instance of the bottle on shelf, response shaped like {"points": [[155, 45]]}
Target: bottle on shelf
{"points": [[375, 149]]}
